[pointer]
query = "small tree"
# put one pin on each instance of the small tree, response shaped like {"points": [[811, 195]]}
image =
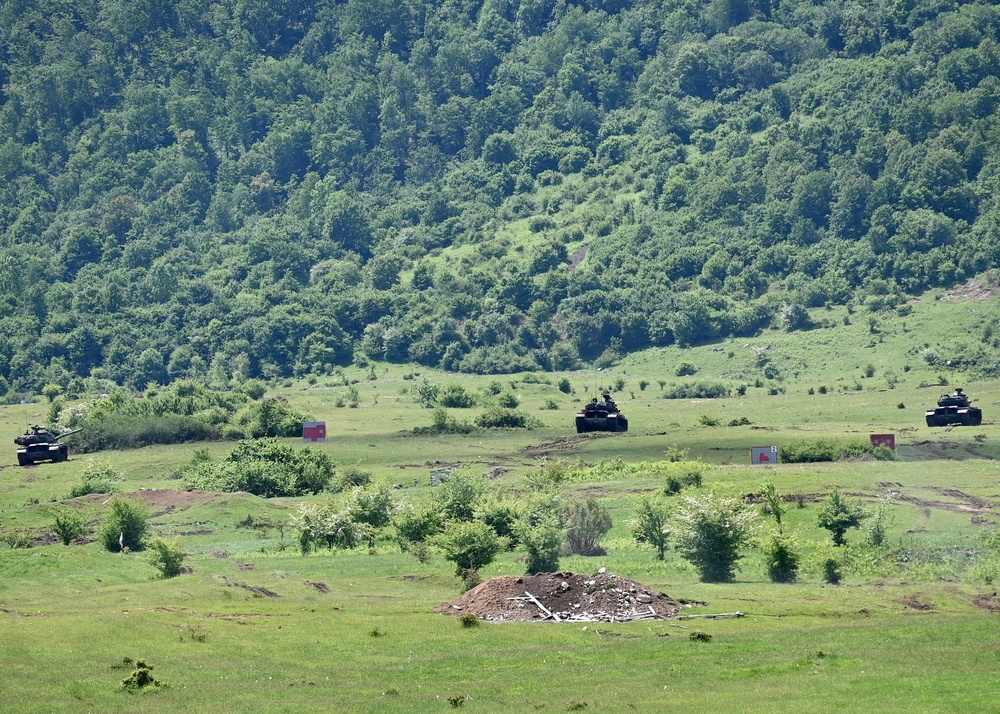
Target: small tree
{"points": [[372, 507], [69, 525], [166, 556], [458, 497], [51, 391], [469, 545], [782, 558], [775, 505], [881, 519], [542, 540], [837, 515], [650, 525], [710, 533], [125, 525], [587, 524]]}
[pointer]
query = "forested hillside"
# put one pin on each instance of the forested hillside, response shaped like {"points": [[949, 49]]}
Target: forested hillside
{"points": [[227, 189]]}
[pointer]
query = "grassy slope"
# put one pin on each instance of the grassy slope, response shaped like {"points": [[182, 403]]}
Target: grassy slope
{"points": [[373, 644]]}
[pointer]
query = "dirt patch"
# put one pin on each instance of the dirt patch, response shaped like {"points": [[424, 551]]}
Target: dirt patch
{"points": [[963, 502], [255, 589], [322, 587], [563, 597], [562, 443], [987, 601], [976, 289], [915, 603], [174, 498], [578, 258]]}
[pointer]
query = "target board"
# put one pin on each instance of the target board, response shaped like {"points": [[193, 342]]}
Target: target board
{"points": [[764, 454], [314, 431]]}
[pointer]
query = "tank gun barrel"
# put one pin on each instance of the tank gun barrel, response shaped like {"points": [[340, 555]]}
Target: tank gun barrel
{"points": [[67, 433]]}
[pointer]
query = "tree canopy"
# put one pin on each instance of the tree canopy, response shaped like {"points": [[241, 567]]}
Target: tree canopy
{"points": [[220, 190]]}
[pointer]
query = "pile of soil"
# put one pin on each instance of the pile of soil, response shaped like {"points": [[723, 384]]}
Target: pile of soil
{"points": [[563, 597]]}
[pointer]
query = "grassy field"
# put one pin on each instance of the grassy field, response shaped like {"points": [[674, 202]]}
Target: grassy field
{"points": [[254, 625]]}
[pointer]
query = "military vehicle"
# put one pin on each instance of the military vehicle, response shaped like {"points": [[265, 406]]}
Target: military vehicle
{"points": [[601, 416], [955, 409], [40, 444]]}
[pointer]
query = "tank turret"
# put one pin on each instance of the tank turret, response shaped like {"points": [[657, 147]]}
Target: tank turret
{"points": [[954, 409]]}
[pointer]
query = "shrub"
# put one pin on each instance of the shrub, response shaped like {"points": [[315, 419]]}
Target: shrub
{"points": [[587, 523], [782, 559], [564, 386], [125, 525], [254, 388], [710, 531], [831, 571], [650, 525], [837, 515], [319, 524], [501, 514], [677, 483], [697, 390], [508, 400], [98, 477], [459, 497], [69, 525], [498, 417], [833, 450], [441, 423], [707, 420], [272, 417], [125, 431], [264, 467], [417, 524], [541, 540], [351, 477], [469, 545], [455, 396], [166, 556], [372, 507], [685, 369]]}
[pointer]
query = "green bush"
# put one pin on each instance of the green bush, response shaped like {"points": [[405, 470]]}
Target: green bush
{"points": [[269, 418], [166, 556], [710, 531], [442, 423], [469, 545], [542, 541], [782, 559], [685, 369], [815, 450], [69, 525], [455, 396], [837, 515], [97, 477], [586, 524], [123, 431], [264, 467], [124, 526], [497, 417], [697, 390], [417, 524]]}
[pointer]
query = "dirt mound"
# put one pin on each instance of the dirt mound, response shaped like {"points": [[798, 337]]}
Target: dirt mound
{"points": [[563, 597]]}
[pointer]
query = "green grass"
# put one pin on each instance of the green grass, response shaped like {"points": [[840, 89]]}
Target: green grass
{"points": [[251, 628]]}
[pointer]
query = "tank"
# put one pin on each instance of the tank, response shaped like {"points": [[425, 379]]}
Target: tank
{"points": [[40, 444], [955, 409], [601, 416]]}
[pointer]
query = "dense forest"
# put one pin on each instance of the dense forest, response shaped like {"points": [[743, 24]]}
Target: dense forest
{"points": [[221, 190]]}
